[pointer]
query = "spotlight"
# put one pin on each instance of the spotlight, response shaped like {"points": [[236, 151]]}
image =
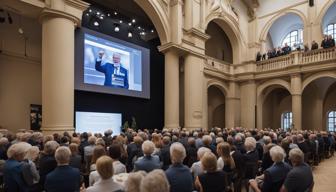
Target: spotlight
{"points": [[90, 10], [133, 20], [116, 28], [139, 27], [142, 33], [101, 17], [152, 31], [129, 24], [120, 21], [108, 14], [87, 14], [98, 13], [130, 34], [96, 23], [115, 13]]}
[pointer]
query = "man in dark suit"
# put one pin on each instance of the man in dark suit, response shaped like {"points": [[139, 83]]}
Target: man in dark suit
{"points": [[115, 74], [64, 177]]}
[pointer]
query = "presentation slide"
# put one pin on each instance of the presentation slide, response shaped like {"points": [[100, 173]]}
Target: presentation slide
{"points": [[111, 64], [98, 122]]}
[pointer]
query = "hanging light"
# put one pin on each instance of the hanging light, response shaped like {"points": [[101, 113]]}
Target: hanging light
{"points": [[96, 23], [116, 27], [130, 34], [133, 20]]}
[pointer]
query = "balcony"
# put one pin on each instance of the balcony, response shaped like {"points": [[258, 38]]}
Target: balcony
{"points": [[297, 58], [217, 65]]}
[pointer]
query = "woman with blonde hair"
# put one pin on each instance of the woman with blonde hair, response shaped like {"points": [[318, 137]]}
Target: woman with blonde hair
{"points": [[134, 180], [105, 170], [212, 179], [225, 161], [155, 181]]}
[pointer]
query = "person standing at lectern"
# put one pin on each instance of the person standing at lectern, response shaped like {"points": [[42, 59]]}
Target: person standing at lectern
{"points": [[115, 74]]}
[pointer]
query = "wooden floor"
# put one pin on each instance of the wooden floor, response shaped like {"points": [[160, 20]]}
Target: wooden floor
{"points": [[325, 176]]}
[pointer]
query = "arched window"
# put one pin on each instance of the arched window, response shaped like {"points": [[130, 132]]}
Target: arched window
{"points": [[331, 121], [331, 30], [293, 38], [286, 120]]}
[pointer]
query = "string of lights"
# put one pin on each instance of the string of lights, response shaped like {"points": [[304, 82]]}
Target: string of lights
{"points": [[96, 18]]}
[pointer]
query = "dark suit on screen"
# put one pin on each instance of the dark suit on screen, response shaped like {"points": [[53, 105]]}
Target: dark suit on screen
{"points": [[109, 70]]}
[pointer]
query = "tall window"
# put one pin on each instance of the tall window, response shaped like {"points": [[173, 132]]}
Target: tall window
{"points": [[293, 38], [286, 120], [332, 121], [331, 30]]}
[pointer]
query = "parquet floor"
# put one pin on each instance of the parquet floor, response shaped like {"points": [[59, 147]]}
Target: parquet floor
{"points": [[325, 176]]}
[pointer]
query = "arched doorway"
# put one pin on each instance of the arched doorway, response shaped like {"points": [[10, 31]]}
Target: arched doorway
{"points": [[219, 45], [318, 99], [329, 21], [216, 107], [276, 108]]}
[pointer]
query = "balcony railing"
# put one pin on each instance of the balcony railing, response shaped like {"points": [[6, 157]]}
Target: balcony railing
{"points": [[296, 58], [217, 64]]}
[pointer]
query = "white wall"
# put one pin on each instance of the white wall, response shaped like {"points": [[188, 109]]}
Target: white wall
{"points": [[20, 76]]}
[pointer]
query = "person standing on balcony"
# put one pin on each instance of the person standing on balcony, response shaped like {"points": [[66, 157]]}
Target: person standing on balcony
{"points": [[314, 45], [331, 41], [325, 43], [286, 49], [258, 56]]}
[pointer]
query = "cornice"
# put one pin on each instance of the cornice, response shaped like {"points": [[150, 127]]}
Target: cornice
{"points": [[196, 32], [180, 49], [79, 4], [51, 13]]}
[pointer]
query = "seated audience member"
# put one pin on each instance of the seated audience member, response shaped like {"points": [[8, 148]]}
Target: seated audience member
{"points": [[179, 176], [331, 41], [191, 152], [148, 162], [325, 43], [30, 173], [225, 161], [196, 168], [164, 153], [275, 175], [12, 171], [300, 178], [115, 154], [47, 160], [75, 159], [134, 151], [4, 144], [258, 58], [155, 181], [314, 45], [98, 151], [133, 181], [251, 158], [212, 179], [105, 170], [63, 177], [286, 49]]}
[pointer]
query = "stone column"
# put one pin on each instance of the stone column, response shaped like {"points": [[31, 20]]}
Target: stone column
{"points": [[58, 27], [296, 86], [231, 106], [171, 119], [248, 104], [193, 87]]}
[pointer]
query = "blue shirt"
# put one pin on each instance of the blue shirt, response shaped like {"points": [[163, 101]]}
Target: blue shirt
{"points": [[13, 179], [180, 178]]}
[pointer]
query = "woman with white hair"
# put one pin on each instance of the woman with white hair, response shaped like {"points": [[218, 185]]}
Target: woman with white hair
{"points": [[179, 176], [13, 180], [276, 174], [47, 161], [251, 158], [29, 170], [155, 181], [133, 181], [148, 162]]}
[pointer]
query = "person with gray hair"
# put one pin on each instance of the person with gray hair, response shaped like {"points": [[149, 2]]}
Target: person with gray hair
{"points": [[300, 178], [155, 181], [196, 168], [47, 160], [179, 175], [63, 177], [12, 171], [251, 158], [148, 162], [275, 175]]}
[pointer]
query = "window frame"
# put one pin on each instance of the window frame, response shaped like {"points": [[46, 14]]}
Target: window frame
{"points": [[333, 117], [331, 31], [293, 38], [286, 123]]}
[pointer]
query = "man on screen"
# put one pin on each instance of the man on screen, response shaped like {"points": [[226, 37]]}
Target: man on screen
{"points": [[115, 74]]}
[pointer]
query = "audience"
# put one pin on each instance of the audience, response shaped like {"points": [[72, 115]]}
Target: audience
{"points": [[234, 156]]}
